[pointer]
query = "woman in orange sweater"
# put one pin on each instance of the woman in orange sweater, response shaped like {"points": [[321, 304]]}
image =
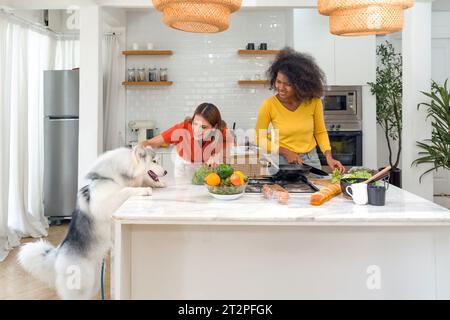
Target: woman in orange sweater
{"points": [[202, 138], [296, 112]]}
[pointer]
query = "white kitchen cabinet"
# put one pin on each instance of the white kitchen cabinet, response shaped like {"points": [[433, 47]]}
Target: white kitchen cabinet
{"points": [[311, 36], [345, 60], [354, 60]]}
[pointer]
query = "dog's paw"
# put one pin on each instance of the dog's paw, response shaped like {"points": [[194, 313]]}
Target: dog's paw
{"points": [[160, 184], [143, 191]]}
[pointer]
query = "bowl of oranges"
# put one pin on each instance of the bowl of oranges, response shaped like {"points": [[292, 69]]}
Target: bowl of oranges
{"points": [[225, 183]]}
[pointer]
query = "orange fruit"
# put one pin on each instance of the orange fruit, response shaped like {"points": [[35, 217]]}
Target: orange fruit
{"points": [[241, 174], [236, 179], [212, 179]]}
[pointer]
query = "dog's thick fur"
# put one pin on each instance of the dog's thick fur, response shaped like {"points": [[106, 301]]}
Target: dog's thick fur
{"points": [[74, 267]]}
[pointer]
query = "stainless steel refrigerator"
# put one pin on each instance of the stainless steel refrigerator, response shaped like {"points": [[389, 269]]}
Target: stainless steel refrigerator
{"points": [[61, 110]]}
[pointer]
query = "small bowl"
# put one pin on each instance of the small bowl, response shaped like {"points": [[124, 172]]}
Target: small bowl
{"points": [[226, 192], [347, 182]]}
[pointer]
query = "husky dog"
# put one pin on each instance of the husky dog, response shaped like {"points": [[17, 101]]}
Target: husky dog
{"points": [[74, 267]]}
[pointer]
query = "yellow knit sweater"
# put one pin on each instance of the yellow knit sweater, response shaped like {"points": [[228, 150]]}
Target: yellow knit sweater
{"points": [[298, 130]]}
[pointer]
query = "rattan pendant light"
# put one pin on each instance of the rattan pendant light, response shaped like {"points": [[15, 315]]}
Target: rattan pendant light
{"points": [[200, 16], [364, 17]]}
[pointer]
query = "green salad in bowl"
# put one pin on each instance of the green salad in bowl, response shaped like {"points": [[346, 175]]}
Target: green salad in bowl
{"points": [[354, 175]]}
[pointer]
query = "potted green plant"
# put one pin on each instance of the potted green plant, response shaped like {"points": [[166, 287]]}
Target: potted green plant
{"points": [[388, 91], [436, 150]]}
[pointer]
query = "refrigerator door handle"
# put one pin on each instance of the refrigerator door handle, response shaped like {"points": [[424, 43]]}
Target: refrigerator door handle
{"points": [[64, 119]]}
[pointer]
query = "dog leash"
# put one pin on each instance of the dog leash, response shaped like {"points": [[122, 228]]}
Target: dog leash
{"points": [[101, 280]]}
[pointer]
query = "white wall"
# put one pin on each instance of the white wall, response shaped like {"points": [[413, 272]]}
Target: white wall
{"points": [[416, 78], [345, 60], [91, 90], [115, 21], [311, 35], [204, 68]]}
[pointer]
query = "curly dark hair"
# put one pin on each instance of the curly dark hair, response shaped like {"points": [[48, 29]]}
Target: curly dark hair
{"points": [[302, 71]]}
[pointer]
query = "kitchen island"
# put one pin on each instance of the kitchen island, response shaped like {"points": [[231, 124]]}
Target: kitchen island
{"points": [[180, 243]]}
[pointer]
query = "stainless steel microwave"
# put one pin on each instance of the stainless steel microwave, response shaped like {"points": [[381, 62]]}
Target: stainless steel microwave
{"points": [[343, 103]]}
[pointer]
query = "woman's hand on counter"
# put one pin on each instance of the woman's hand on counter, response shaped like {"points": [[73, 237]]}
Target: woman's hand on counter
{"points": [[333, 163], [290, 156]]}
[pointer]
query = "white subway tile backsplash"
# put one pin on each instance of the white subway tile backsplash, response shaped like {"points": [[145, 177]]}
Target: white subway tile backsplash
{"points": [[204, 67]]}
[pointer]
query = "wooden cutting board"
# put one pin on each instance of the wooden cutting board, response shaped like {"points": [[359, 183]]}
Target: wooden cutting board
{"points": [[321, 182]]}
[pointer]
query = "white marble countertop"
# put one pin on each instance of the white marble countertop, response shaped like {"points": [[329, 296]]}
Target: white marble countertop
{"points": [[183, 203]]}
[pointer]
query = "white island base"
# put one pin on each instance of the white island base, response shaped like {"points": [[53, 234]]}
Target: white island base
{"points": [[182, 244]]}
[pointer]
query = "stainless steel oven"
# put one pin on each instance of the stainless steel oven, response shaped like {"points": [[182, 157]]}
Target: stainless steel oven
{"points": [[343, 119], [346, 147]]}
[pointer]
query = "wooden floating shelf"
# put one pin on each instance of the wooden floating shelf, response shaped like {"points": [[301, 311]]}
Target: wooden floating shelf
{"points": [[148, 83], [259, 51], [147, 53], [254, 82]]}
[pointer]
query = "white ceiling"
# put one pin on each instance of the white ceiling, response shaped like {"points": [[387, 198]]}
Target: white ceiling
{"points": [[438, 5], [64, 4], [44, 4]]}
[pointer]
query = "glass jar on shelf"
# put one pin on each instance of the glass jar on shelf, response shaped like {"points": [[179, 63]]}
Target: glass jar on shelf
{"points": [[151, 74], [157, 75], [131, 75], [163, 74], [141, 74]]}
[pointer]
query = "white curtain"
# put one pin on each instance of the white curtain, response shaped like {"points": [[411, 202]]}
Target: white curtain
{"points": [[24, 54], [113, 93], [67, 54]]}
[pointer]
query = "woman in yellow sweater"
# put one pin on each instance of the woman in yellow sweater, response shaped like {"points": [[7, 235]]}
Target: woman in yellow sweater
{"points": [[295, 112]]}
